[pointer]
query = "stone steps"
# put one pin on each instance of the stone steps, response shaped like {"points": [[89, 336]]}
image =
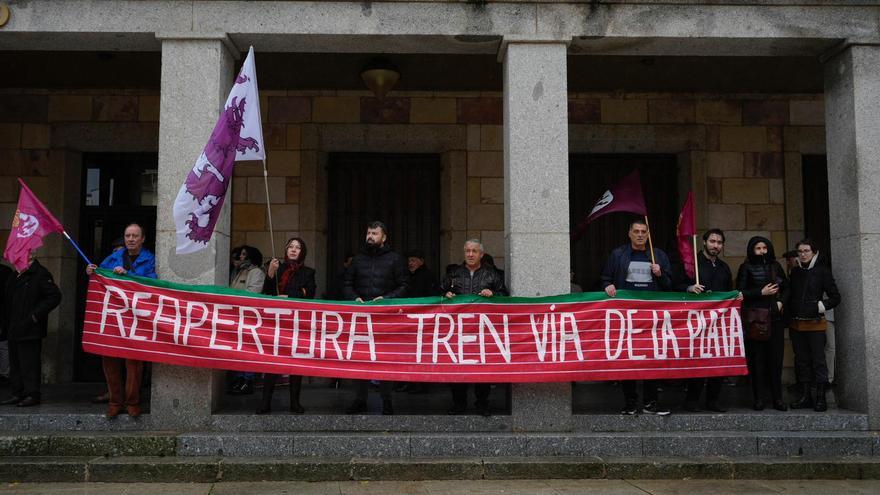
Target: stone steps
{"points": [[734, 444], [737, 420], [214, 469]]}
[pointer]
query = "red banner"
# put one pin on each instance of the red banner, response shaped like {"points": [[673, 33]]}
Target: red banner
{"points": [[466, 339]]}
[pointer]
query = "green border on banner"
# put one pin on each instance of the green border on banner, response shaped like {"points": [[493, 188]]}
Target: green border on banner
{"points": [[463, 299]]}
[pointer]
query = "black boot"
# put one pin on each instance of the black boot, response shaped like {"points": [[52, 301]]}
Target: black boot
{"points": [[295, 387], [805, 401], [268, 387], [821, 403]]}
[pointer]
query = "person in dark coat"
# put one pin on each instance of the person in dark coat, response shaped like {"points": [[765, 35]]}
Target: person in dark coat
{"points": [[813, 292], [630, 267], [714, 275], [375, 273], [474, 277], [5, 273], [422, 283], [295, 280], [28, 298], [763, 284]]}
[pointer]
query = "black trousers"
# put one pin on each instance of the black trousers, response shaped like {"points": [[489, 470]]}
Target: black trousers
{"points": [[765, 363], [649, 391], [809, 356], [459, 393], [361, 387], [25, 364], [695, 389]]}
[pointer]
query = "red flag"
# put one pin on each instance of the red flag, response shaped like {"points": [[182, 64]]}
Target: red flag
{"points": [[686, 229], [32, 221], [624, 196]]}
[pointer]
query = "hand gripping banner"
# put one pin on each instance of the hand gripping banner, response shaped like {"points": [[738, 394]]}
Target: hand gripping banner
{"points": [[589, 336]]}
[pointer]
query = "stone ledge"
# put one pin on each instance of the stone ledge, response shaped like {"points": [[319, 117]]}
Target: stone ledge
{"points": [[177, 469], [387, 445]]}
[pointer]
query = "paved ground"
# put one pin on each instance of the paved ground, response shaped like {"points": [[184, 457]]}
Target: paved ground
{"points": [[513, 487]]}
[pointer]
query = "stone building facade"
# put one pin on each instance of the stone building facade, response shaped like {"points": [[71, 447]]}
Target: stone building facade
{"points": [[504, 153]]}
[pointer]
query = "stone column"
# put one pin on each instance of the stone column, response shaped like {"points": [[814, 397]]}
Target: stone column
{"points": [[196, 77], [852, 120], [536, 201]]}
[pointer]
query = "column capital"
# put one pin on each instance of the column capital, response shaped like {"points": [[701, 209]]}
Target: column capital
{"points": [[197, 36], [535, 39], [845, 45]]}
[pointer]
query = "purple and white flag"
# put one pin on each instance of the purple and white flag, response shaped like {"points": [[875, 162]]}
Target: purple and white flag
{"points": [[237, 136]]}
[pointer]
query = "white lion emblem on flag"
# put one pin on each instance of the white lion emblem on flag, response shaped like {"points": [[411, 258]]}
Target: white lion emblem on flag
{"points": [[604, 201], [28, 224]]}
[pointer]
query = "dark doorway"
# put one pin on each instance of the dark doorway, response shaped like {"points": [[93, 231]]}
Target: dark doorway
{"points": [[402, 190], [117, 189], [589, 177], [817, 222]]}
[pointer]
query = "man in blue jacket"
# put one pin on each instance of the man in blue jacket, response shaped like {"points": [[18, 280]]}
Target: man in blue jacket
{"points": [[630, 267], [133, 260]]}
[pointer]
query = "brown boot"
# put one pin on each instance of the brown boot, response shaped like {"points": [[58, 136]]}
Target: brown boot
{"points": [[133, 411], [114, 410], [113, 373]]}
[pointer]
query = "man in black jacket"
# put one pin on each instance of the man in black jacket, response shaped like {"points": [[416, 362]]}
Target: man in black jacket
{"points": [[477, 278], [714, 275], [630, 267], [375, 273], [29, 296], [813, 292]]}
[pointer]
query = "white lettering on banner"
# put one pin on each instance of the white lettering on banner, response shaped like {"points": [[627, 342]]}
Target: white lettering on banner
{"points": [[368, 338], [277, 312], [541, 339], [253, 328], [216, 321], [573, 336], [445, 339], [189, 322], [159, 316], [333, 337], [471, 338], [313, 330], [106, 311], [136, 312], [621, 331], [503, 345], [420, 331], [630, 330], [467, 339]]}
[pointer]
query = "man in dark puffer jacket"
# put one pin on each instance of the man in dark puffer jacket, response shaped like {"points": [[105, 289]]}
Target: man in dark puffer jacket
{"points": [[375, 273], [811, 280]]}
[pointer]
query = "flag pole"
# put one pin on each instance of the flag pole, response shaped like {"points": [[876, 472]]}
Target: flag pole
{"points": [[650, 244], [269, 207], [78, 250], [696, 261]]}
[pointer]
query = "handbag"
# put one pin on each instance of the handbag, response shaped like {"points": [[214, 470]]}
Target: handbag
{"points": [[757, 323]]}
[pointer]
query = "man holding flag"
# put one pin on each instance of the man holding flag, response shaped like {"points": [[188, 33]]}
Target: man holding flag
{"points": [[715, 275], [630, 267], [133, 260], [28, 297]]}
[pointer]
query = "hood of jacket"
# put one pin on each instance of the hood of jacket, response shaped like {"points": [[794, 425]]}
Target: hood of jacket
{"points": [[760, 259], [811, 264]]}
